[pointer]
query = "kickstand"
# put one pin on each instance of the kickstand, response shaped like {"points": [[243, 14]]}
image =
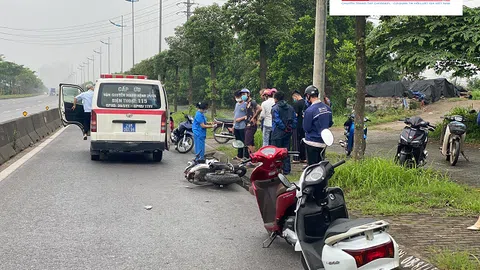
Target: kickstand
{"points": [[269, 240], [465, 156]]}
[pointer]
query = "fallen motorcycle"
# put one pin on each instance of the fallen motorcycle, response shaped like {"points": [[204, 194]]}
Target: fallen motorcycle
{"points": [[215, 172]]}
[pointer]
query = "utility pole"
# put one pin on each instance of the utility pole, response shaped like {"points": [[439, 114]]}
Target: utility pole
{"points": [[93, 67], [108, 44], [121, 26], [160, 28], [88, 70], [320, 47], [100, 53], [188, 4]]}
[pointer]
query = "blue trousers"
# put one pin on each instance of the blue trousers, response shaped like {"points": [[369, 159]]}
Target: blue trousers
{"points": [[284, 143], [199, 147]]}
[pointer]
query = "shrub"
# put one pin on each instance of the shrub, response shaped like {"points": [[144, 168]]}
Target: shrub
{"points": [[473, 130]]}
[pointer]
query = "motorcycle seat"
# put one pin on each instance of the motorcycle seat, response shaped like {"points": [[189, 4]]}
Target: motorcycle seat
{"points": [[342, 225], [224, 120]]}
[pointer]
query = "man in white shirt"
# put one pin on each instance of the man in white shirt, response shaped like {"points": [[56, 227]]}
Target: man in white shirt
{"points": [[86, 98], [266, 114]]}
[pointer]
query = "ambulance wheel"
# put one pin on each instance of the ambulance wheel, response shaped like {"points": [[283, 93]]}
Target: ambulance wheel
{"points": [[157, 156]]}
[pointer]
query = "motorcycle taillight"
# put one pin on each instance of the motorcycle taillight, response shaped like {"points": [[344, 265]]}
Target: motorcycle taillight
{"points": [[364, 256]]}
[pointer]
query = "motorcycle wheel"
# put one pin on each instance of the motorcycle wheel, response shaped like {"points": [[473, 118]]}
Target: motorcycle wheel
{"points": [[406, 162], [454, 152], [219, 130], [181, 148]]}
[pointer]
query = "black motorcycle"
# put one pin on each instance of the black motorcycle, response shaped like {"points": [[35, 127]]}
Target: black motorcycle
{"points": [[182, 136], [411, 150]]}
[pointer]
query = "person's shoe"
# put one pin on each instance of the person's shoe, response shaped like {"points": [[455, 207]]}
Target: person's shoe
{"points": [[85, 137]]}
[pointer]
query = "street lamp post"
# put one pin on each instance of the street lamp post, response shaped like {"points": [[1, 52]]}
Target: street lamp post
{"points": [[121, 26], [81, 74], [88, 70], [108, 44], [93, 67], [100, 53], [133, 31]]}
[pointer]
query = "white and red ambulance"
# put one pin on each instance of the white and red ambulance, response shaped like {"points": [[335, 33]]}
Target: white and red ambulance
{"points": [[129, 114]]}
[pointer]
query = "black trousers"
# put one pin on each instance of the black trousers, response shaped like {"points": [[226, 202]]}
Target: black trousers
{"points": [[86, 121], [298, 144], [240, 135], [314, 154]]}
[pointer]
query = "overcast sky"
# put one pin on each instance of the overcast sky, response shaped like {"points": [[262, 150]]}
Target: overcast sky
{"points": [[54, 37]]}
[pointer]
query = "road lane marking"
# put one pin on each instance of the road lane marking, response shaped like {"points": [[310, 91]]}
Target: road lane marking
{"points": [[17, 109], [10, 169]]}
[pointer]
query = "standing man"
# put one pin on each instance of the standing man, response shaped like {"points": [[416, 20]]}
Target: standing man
{"points": [[86, 98], [253, 111], [284, 122], [298, 133], [240, 122], [266, 115], [317, 117]]}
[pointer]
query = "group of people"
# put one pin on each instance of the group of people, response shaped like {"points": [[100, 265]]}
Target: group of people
{"points": [[279, 123]]}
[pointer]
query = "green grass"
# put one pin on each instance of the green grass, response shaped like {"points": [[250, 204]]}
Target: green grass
{"points": [[379, 186], [455, 260], [476, 95], [378, 117], [17, 96], [178, 117]]}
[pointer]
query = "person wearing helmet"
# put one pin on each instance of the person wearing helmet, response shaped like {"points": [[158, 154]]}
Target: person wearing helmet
{"points": [[266, 115], [317, 117], [86, 98], [199, 129]]}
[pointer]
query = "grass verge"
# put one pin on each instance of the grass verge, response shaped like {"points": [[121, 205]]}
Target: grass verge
{"points": [[473, 130], [378, 186], [18, 96], [455, 260], [378, 117]]}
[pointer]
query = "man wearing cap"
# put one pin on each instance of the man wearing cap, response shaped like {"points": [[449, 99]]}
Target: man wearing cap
{"points": [[266, 114], [86, 98], [253, 111], [316, 118]]}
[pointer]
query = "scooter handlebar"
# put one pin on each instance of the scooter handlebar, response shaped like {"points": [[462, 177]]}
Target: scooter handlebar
{"points": [[341, 162]]}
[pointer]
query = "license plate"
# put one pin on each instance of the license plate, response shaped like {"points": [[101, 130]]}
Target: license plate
{"points": [[128, 127]]}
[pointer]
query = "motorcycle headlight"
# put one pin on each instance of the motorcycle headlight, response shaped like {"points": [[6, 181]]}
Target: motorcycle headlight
{"points": [[459, 118], [315, 175]]}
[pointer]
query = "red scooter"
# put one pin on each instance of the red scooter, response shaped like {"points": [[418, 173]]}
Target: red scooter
{"points": [[276, 202]]}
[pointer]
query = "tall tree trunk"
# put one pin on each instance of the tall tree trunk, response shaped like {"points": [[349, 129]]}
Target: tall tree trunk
{"points": [[177, 86], [190, 83], [359, 142], [213, 78], [263, 64]]}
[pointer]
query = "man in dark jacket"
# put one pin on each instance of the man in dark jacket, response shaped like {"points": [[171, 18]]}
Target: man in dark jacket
{"points": [[298, 134], [317, 117], [284, 121]]}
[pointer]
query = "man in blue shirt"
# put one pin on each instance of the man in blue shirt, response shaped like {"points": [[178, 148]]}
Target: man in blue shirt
{"points": [[240, 122], [199, 129], [284, 121], [317, 117], [86, 98]]}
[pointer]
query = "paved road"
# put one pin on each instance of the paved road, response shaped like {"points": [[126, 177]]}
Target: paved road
{"points": [[62, 211], [13, 108]]}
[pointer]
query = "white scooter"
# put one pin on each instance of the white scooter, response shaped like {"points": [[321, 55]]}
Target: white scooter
{"points": [[327, 238]]}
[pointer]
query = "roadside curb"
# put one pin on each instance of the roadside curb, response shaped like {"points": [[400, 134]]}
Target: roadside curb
{"points": [[408, 261]]}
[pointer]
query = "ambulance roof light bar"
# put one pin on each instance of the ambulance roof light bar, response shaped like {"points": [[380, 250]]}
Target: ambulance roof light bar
{"points": [[123, 76]]}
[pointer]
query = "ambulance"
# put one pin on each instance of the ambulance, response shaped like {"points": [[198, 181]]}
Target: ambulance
{"points": [[129, 114]]}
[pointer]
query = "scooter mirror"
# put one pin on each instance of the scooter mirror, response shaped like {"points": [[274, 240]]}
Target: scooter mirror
{"points": [[284, 180], [238, 144], [327, 137]]}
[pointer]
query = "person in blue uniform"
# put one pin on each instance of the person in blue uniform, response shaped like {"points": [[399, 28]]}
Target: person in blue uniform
{"points": [[199, 129]]}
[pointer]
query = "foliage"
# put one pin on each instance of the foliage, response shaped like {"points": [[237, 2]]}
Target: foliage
{"points": [[18, 80], [414, 43], [379, 186], [473, 130], [473, 84]]}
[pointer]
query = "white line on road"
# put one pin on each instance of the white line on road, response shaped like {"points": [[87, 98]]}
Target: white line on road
{"points": [[10, 169], [17, 109], [7, 111]]}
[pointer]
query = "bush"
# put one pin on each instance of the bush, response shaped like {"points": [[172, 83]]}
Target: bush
{"points": [[473, 130], [476, 95], [379, 186]]}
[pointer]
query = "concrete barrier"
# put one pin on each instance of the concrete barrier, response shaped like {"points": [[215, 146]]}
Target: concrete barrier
{"points": [[21, 133]]}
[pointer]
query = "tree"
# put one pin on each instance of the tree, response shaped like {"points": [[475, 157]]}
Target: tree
{"points": [[210, 35], [17, 79], [260, 23], [415, 43], [359, 142]]}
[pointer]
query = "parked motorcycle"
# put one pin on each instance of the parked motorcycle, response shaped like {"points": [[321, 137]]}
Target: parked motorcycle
{"points": [[223, 133], [453, 138], [349, 133], [182, 136], [314, 218], [411, 150], [215, 172]]}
